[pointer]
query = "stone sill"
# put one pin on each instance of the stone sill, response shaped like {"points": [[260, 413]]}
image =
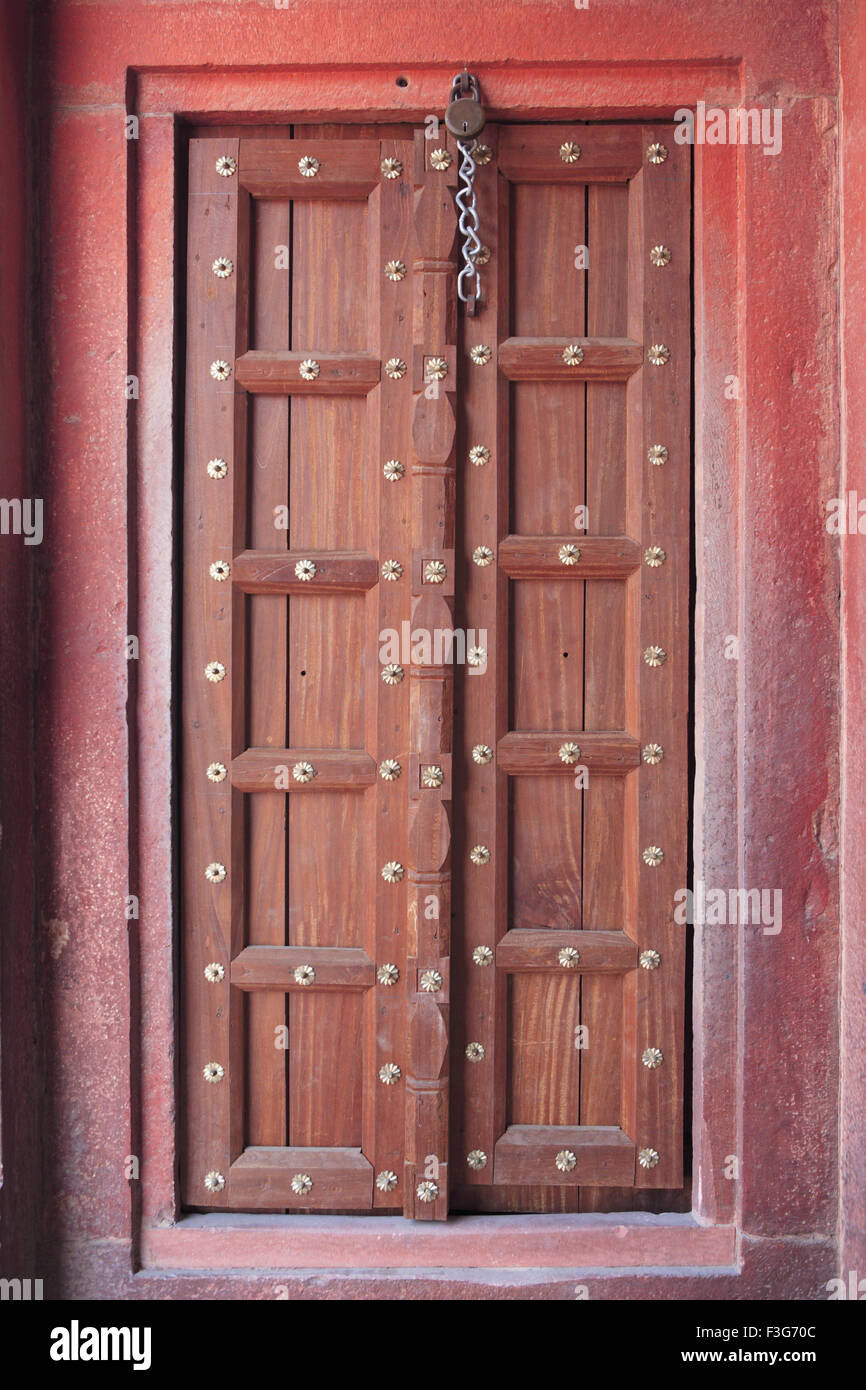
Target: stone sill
{"points": [[627, 1240]]}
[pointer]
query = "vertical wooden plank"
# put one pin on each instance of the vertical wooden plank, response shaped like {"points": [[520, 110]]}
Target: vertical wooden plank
{"points": [[482, 705], [604, 828], [330, 869], [387, 722], [213, 727], [431, 693], [547, 657], [662, 692], [266, 637]]}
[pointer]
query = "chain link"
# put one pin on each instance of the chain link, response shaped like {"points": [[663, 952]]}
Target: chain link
{"points": [[468, 223]]}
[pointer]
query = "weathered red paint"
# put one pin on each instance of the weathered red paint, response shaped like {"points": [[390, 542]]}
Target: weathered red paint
{"points": [[767, 793]]}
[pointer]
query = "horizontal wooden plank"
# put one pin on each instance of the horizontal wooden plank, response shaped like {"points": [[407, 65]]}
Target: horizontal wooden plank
{"points": [[537, 949], [275, 571], [532, 154], [273, 967], [347, 168], [535, 753], [279, 373], [540, 557], [605, 1156], [273, 769], [541, 359], [262, 1177]]}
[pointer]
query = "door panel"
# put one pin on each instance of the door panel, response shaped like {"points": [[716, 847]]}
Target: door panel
{"points": [[351, 799]]}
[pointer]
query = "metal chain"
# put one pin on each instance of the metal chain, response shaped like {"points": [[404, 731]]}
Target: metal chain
{"points": [[468, 223]]}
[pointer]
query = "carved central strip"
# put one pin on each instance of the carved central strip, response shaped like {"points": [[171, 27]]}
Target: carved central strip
{"points": [[431, 697]]}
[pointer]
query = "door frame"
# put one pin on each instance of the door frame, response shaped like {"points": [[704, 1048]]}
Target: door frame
{"points": [[736, 976]]}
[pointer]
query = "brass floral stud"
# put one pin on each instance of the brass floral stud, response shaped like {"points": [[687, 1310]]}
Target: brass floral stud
{"points": [[655, 656], [220, 570], [565, 1161], [304, 772], [482, 556], [572, 355], [395, 270], [660, 255], [304, 974], [649, 960], [569, 153], [388, 974], [392, 674], [306, 570], [389, 770], [223, 267], [392, 872], [654, 556], [217, 772], [568, 958], [308, 165], [392, 570], [657, 455], [309, 369], [476, 1159], [302, 1183], [214, 972], [569, 554], [217, 468], [215, 672], [386, 1181], [226, 165], [657, 154], [482, 753], [427, 1191], [214, 1181], [435, 572], [653, 753], [659, 354], [440, 159], [475, 1051], [569, 752], [220, 370], [648, 1158], [481, 155], [393, 470], [390, 1074], [213, 1072], [215, 872], [476, 656], [479, 854], [391, 168], [479, 454], [653, 856], [431, 981], [482, 955], [481, 354], [395, 368], [652, 1057], [437, 369], [482, 256], [432, 777]]}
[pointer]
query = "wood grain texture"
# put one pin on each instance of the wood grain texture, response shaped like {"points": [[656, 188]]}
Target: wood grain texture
{"points": [[531, 154], [279, 374], [538, 557], [274, 572], [347, 168], [528, 754], [601, 952], [341, 1178], [527, 1154], [272, 769], [541, 359], [273, 968]]}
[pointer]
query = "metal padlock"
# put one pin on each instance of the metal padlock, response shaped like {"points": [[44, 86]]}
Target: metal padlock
{"points": [[465, 118]]}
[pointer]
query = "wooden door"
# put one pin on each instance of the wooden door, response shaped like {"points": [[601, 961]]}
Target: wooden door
{"points": [[367, 476]]}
